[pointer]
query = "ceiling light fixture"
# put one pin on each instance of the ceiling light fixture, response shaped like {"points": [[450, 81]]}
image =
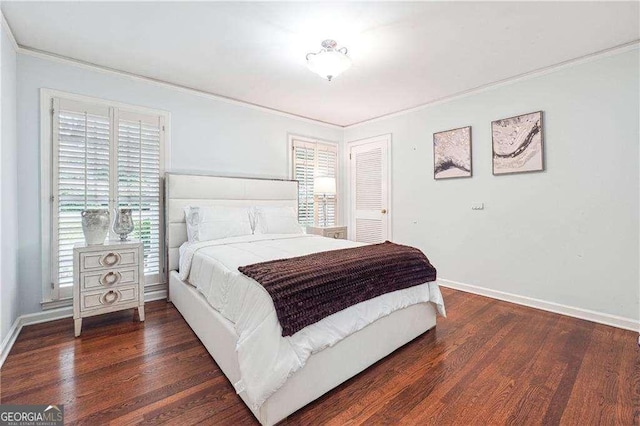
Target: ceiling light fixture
{"points": [[329, 62]]}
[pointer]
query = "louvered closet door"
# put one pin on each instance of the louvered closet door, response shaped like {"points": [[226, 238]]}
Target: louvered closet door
{"points": [[369, 191], [81, 170], [138, 183]]}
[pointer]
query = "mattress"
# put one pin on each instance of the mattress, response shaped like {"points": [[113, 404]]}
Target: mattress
{"points": [[266, 359]]}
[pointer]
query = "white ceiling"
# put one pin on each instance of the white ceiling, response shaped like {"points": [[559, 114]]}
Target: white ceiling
{"points": [[404, 54]]}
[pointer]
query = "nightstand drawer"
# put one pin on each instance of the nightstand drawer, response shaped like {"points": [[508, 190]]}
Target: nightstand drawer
{"points": [[110, 278], [336, 232], [108, 298], [107, 278], [339, 235], [108, 259]]}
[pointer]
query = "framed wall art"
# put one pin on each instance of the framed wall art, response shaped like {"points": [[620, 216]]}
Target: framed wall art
{"points": [[452, 153], [518, 144]]}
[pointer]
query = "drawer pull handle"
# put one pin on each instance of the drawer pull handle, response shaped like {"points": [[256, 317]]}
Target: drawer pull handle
{"points": [[110, 297], [110, 259], [336, 236], [110, 278]]}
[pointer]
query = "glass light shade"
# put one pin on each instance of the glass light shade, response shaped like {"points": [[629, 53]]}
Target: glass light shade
{"points": [[328, 63], [324, 185]]}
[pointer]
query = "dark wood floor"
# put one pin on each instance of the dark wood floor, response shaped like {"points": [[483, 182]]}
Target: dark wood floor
{"points": [[489, 362]]}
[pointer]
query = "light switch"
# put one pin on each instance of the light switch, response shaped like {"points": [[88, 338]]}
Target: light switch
{"points": [[477, 206]]}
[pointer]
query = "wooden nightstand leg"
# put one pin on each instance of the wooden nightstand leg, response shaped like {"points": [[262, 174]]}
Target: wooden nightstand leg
{"points": [[78, 326], [141, 313]]}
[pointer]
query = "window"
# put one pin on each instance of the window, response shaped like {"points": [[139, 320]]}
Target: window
{"points": [[104, 156], [311, 159]]}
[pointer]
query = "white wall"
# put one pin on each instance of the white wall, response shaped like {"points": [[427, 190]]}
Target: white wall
{"points": [[568, 235], [8, 187], [207, 135]]}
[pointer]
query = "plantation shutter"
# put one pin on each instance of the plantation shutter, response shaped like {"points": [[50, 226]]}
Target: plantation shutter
{"points": [[138, 187], [326, 166], [303, 170], [81, 166], [104, 158], [139, 183], [312, 159]]}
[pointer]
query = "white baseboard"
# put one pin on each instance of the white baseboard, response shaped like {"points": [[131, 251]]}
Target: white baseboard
{"points": [[571, 311], [52, 315], [46, 316], [155, 295], [585, 314], [9, 340]]}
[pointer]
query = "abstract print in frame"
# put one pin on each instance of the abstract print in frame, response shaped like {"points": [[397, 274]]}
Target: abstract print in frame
{"points": [[518, 144], [452, 153]]}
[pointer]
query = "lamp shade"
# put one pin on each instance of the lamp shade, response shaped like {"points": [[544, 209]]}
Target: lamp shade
{"points": [[324, 185]]}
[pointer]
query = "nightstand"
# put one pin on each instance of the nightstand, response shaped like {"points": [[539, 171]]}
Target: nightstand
{"points": [[107, 278], [337, 232]]}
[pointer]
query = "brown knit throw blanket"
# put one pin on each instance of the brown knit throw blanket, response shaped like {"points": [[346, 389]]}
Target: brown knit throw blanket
{"points": [[309, 288]]}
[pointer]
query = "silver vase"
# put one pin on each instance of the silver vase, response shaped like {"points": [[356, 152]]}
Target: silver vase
{"points": [[123, 223], [95, 225]]}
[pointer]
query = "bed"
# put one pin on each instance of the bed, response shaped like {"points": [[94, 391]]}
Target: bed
{"points": [[201, 299]]}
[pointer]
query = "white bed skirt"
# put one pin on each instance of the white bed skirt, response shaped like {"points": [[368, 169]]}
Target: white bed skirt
{"points": [[323, 371]]}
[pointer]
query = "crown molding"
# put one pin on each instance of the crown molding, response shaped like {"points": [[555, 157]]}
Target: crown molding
{"points": [[633, 45], [25, 50], [625, 47], [9, 32]]}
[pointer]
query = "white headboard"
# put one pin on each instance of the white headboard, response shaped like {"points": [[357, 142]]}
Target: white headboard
{"points": [[183, 190]]}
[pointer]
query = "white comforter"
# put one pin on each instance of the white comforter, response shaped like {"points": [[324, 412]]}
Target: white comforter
{"points": [[266, 359]]}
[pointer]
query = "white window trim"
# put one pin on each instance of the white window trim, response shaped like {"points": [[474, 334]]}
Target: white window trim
{"points": [[339, 183], [46, 177]]}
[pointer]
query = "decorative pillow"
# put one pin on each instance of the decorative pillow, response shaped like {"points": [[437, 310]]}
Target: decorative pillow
{"points": [[277, 220], [215, 222], [192, 218]]}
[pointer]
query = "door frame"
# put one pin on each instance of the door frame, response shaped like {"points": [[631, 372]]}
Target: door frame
{"points": [[348, 190]]}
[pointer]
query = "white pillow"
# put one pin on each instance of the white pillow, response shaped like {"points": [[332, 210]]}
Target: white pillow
{"points": [[277, 220], [215, 222]]}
